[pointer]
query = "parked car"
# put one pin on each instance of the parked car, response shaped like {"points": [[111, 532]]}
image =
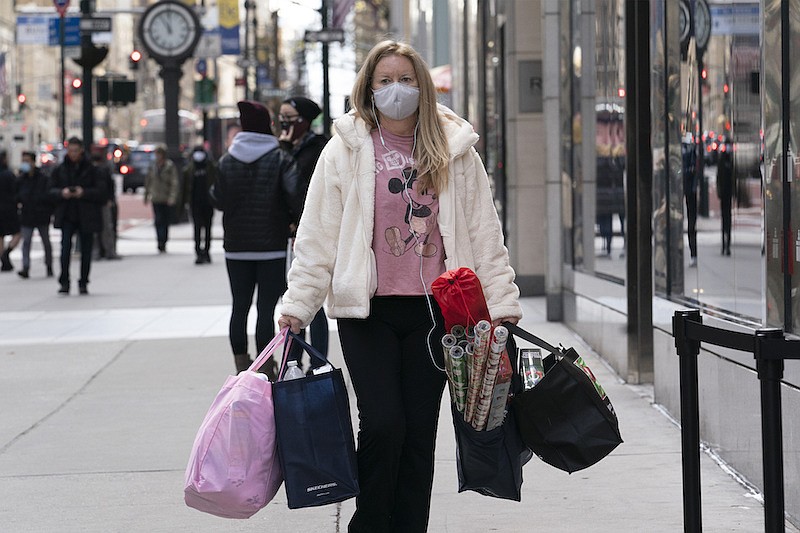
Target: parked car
{"points": [[135, 168]]}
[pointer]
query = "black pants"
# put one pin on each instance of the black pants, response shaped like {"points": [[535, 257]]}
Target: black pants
{"points": [[691, 215], [398, 391], [202, 217], [244, 277], [319, 339], [725, 208], [163, 216], [86, 239]]}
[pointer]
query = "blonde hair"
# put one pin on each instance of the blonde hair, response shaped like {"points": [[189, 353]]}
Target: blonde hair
{"points": [[431, 154]]}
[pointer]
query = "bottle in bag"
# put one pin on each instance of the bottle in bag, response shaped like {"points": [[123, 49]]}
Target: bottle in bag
{"points": [[292, 371]]}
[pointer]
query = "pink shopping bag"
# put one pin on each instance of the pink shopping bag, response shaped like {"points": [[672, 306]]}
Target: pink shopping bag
{"points": [[233, 469]]}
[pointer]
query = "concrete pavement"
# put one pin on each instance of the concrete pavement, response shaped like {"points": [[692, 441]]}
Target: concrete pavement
{"points": [[102, 396]]}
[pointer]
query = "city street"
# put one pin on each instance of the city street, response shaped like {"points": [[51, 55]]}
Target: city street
{"points": [[103, 395]]}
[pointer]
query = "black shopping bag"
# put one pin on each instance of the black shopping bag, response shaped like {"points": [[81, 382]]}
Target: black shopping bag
{"points": [[315, 437], [490, 462], [566, 419]]}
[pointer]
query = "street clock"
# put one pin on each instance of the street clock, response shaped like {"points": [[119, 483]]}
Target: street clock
{"points": [[702, 24], [169, 31]]}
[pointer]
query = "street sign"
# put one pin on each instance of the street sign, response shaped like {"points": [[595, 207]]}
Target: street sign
{"points": [[72, 33], [95, 24], [327, 35], [61, 6], [33, 30]]}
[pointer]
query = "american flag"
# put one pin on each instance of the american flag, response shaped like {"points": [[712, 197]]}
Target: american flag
{"points": [[3, 79]]}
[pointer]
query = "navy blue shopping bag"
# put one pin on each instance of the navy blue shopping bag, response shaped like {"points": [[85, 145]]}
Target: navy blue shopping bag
{"points": [[316, 448]]}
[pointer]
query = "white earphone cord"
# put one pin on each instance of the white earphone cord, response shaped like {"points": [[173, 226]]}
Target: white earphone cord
{"points": [[407, 197]]}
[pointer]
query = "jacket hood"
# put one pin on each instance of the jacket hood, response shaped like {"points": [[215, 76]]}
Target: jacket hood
{"points": [[460, 136], [248, 146]]}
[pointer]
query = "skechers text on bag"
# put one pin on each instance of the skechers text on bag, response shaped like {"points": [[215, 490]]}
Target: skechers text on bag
{"points": [[315, 436]]}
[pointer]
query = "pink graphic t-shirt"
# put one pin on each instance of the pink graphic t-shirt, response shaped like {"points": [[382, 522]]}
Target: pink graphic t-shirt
{"points": [[406, 237]]}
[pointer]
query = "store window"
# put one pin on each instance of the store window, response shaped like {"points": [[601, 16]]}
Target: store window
{"points": [[721, 146], [707, 142]]}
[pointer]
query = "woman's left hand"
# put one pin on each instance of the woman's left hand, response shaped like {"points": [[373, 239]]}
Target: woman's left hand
{"points": [[499, 321]]}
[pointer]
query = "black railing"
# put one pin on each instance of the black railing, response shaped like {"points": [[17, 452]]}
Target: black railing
{"points": [[770, 348]]}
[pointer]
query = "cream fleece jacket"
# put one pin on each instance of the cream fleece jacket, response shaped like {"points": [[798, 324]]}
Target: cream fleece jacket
{"points": [[333, 247]]}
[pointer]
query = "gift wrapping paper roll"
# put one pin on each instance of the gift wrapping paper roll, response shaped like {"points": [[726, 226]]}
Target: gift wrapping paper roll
{"points": [[480, 352], [459, 332], [498, 344], [448, 341], [459, 377]]}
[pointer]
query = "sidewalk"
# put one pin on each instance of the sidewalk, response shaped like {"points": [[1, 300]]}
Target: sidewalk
{"points": [[103, 394]]}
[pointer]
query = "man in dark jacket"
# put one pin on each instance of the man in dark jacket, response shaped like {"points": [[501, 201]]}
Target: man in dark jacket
{"points": [[9, 217], [259, 195], [198, 177], [79, 195], [296, 115], [37, 209]]}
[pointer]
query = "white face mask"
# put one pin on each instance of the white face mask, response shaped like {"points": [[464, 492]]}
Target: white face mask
{"points": [[199, 156], [397, 100]]}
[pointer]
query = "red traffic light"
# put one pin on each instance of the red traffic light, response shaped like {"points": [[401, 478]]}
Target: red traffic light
{"points": [[21, 98], [136, 56], [77, 83]]}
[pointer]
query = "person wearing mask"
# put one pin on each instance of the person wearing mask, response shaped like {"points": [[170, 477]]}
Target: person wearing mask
{"points": [[79, 194], [398, 197], [35, 214], [296, 137], [9, 216], [198, 177], [108, 236], [258, 192], [161, 188]]}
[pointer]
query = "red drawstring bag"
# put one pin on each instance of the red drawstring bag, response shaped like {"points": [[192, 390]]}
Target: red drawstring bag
{"points": [[460, 296]]}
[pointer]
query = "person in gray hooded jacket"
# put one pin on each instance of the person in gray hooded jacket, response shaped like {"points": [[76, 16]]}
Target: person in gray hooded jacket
{"points": [[258, 191]]}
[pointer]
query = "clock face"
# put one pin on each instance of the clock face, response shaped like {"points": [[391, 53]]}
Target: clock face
{"points": [[702, 23], [169, 30]]}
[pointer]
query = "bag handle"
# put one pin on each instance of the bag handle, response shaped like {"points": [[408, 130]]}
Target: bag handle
{"points": [[313, 352], [269, 350], [530, 337]]}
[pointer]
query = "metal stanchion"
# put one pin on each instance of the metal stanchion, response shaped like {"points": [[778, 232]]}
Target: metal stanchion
{"points": [[688, 351], [770, 373]]}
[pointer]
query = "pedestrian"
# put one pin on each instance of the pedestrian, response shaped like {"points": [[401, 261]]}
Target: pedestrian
{"points": [[725, 192], [689, 167], [35, 213], [9, 213], [259, 194], [398, 197], [161, 188], [79, 194], [198, 177], [296, 137], [108, 235]]}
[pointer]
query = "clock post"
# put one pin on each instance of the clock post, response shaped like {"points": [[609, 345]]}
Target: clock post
{"points": [[171, 73], [169, 31]]}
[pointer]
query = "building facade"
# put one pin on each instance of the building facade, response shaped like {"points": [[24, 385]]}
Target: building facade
{"points": [[620, 222]]}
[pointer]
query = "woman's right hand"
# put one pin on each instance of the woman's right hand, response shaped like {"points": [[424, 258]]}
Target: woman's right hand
{"points": [[291, 322]]}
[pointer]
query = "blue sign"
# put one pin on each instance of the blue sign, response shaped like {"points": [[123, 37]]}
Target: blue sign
{"points": [[72, 31], [230, 41]]}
